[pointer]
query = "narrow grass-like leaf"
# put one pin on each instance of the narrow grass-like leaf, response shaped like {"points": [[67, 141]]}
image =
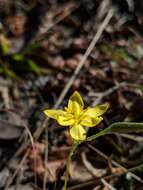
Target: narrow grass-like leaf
{"points": [[119, 127]]}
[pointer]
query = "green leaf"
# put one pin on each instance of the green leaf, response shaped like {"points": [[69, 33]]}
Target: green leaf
{"points": [[18, 57], [5, 48], [34, 67], [119, 127], [10, 73]]}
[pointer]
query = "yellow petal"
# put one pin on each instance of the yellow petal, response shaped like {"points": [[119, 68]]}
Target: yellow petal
{"points": [[96, 111], [65, 121], [77, 98], [77, 132], [75, 103], [90, 121], [54, 114]]}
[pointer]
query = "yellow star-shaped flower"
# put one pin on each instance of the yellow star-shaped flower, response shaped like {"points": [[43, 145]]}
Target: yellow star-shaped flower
{"points": [[76, 117]]}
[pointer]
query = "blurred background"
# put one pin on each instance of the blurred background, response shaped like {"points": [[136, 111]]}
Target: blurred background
{"points": [[42, 43]]}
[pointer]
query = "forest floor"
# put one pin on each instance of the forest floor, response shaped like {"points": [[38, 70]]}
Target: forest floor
{"points": [[45, 57]]}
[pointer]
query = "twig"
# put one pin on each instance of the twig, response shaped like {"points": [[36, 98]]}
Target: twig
{"points": [[9, 181], [87, 53], [114, 162], [90, 168], [108, 92], [16, 171], [68, 8], [96, 188], [101, 95], [105, 183], [97, 181], [92, 182], [132, 137]]}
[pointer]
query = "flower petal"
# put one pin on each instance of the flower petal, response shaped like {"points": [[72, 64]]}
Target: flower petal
{"points": [[54, 114], [77, 132], [75, 103], [96, 111], [90, 121], [77, 98], [65, 121]]}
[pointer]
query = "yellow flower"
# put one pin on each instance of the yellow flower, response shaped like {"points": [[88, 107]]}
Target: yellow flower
{"points": [[76, 117]]}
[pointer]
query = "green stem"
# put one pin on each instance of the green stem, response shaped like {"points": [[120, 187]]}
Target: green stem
{"points": [[55, 185], [74, 145]]}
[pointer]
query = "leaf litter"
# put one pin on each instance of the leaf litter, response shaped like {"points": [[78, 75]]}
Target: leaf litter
{"points": [[26, 91]]}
